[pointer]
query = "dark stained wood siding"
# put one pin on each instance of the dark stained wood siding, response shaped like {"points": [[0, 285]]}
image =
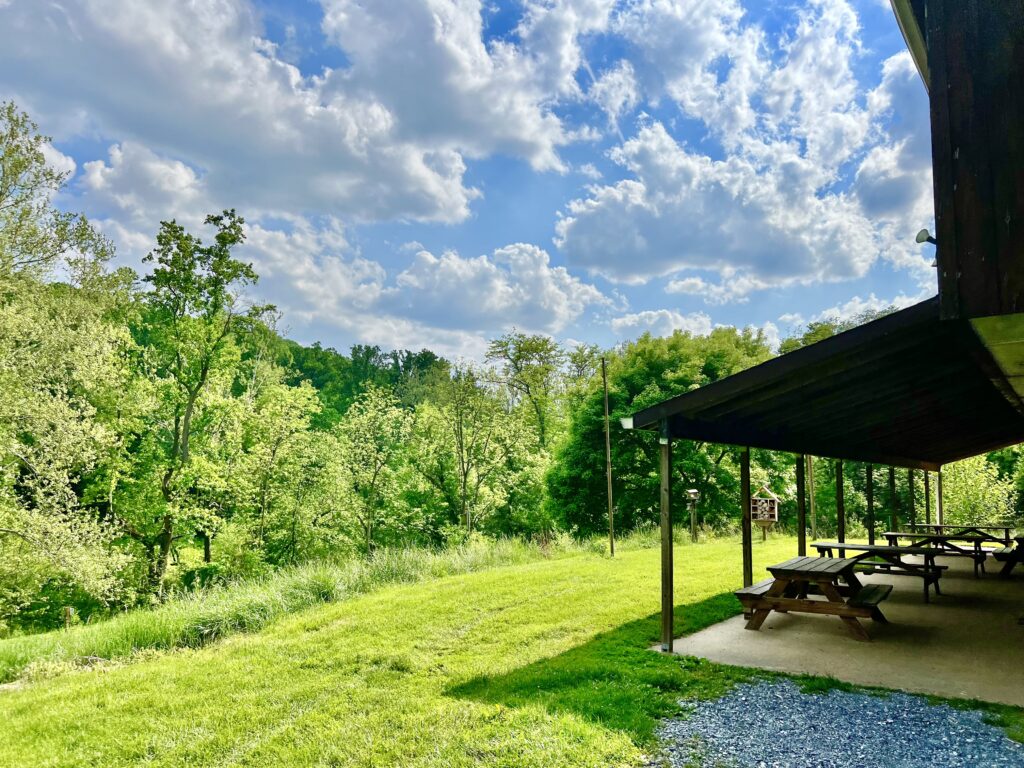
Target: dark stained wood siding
{"points": [[976, 64]]}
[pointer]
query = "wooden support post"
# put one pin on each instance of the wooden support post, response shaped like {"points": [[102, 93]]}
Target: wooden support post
{"points": [[913, 504], [871, 503], [801, 506], [840, 507], [608, 461], [927, 500], [938, 497], [894, 517], [748, 551], [810, 495], [667, 571]]}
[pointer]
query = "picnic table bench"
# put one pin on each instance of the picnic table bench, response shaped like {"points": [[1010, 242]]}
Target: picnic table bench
{"points": [[978, 530], [886, 559], [948, 544], [1010, 556], [796, 579]]}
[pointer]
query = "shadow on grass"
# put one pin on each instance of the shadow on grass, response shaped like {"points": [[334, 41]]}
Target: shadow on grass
{"points": [[615, 679]]}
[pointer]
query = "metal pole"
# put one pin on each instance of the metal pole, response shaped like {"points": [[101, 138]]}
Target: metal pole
{"points": [[871, 503], [667, 606], [608, 461], [693, 521], [748, 552], [801, 505], [938, 496]]}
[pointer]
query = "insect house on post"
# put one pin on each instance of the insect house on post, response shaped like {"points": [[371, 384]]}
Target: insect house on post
{"points": [[764, 510]]}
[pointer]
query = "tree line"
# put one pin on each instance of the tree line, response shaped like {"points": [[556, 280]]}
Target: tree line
{"points": [[158, 433]]}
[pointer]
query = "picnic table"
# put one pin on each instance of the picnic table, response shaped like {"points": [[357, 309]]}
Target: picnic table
{"points": [[952, 544], [1010, 556], [886, 559], [978, 530], [831, 577]]}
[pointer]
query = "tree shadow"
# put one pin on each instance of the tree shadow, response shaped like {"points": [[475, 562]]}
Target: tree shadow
{"points": [[615, 679]]}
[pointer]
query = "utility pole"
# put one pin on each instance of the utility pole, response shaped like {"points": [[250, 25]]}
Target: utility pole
{"points": [[608, 460]]}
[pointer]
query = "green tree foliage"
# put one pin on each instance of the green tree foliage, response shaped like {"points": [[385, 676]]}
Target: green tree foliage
{"points": [[974, 492], [464, 438], [34, 235], [371, 440], [61, 375], [339, 380], [530, 367], [191, 318], [643, 373]]}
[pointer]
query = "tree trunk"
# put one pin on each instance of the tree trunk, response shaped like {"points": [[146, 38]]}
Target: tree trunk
{"points": [[207, 548], [162, 553]]}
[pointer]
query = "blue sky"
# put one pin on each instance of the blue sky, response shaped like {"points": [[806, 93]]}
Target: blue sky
{"points": [[436, 172]]}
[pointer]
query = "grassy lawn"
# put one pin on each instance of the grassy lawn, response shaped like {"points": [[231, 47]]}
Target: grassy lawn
{"points": [[542, 663]]}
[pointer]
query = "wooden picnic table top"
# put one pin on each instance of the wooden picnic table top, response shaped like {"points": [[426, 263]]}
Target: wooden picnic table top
{"points": [[812, 568], [881, 548], [961, 527], [921, 536]]}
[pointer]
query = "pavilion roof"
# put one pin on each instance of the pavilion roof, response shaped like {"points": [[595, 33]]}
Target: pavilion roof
{"points": [[908, 389]]}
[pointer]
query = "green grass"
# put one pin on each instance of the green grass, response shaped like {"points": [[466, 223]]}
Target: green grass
{"points": [[194, 620], [540, 663]]}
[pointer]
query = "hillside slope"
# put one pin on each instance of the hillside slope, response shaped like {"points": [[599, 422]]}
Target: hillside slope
{"points": [[537, 664]]}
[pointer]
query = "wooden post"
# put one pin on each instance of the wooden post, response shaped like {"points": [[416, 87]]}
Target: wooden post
{"points": [[913, 504], [938, 497], [667, 605], [894, 517], [693, 521], [810, 494], [927, 500], [801, 505], [748, 552], [608, 461], [840, 506], [871, 503]]}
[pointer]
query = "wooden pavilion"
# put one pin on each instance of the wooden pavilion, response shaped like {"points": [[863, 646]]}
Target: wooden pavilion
{"points": [[936, 382]]}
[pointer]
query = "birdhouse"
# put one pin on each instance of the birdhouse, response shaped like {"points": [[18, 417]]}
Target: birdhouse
{"points": [[764, 507]]}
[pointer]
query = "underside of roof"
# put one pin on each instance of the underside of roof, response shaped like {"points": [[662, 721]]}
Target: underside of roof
{"points": [[908, 389]]}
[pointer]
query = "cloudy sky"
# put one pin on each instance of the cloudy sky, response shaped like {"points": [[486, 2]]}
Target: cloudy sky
{"points": [[435, 172]]}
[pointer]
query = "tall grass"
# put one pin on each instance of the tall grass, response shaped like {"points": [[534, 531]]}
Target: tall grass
{"points": [[195, 619]]}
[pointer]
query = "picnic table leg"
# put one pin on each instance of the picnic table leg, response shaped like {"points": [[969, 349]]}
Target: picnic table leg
{"points": [[856, 629], [760, 614], [929, 562], [1008, 566]]}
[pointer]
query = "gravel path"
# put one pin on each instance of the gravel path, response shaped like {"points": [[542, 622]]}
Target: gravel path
{"points": [[774, 725]]}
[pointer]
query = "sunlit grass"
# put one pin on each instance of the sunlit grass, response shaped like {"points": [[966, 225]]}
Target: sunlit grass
{"points": [[545, 662], [541, 663], [196, 619]]}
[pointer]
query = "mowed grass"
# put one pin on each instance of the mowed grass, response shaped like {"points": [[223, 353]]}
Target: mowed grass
{"points": [[542, 663], [197, 619]]}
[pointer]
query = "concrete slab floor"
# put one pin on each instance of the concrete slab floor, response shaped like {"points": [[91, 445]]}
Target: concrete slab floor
{"points": [[966, 643]]}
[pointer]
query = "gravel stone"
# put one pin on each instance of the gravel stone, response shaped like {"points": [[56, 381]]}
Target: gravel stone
{"points": [[773, 725]]}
